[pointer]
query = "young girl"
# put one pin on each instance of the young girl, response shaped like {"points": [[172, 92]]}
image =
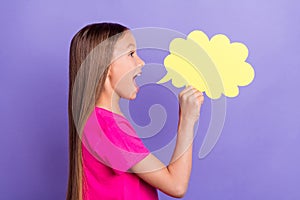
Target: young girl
{"points": [[107, 160]]}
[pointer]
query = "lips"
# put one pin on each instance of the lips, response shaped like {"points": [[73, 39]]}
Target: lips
{"points": [[138, 74], [133, 79]]}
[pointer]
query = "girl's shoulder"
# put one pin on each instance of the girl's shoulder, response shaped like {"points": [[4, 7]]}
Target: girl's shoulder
{"points": [[114, 121]]}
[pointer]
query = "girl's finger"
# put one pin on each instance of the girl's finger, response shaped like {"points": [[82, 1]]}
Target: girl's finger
{"points": [[199, 93], [191, 91], [187, 88]]}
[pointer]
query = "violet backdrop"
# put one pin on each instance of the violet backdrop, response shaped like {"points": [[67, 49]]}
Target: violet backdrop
{"points": [[258, 153]]}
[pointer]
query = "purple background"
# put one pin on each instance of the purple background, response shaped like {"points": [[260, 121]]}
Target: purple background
{"points": [[258, 154]]}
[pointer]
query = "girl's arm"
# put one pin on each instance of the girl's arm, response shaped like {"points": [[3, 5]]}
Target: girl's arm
{"points": [[173, 179]]}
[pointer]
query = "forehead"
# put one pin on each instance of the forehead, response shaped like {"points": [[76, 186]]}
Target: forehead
{"points": [[126, 42]]}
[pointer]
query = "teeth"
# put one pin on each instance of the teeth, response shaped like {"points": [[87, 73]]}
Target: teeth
{"points": [[139, 74]]}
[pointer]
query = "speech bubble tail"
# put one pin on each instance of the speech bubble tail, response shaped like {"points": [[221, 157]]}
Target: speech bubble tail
{"points": [[166, 78]]}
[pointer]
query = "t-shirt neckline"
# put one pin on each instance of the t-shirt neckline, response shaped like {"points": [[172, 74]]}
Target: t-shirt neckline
{"points": [[110, 112]]}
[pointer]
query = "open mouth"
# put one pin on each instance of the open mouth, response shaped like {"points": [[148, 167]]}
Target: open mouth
{"points": [[133, 79]]}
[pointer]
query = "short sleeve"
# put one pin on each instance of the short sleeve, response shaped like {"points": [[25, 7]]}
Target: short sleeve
{"points": [[113, 141]]}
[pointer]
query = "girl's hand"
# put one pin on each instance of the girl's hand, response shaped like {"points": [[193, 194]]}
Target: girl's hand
{"points": [[190, 101]]}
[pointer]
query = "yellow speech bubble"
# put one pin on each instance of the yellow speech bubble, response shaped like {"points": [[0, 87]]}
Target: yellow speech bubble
{"points": [[213, 66]]}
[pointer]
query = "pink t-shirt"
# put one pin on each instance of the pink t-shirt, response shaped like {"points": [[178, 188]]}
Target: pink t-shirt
{"points": [[110, 146]]}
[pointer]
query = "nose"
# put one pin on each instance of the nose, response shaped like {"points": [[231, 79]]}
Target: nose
{"points": [[140, 62]]}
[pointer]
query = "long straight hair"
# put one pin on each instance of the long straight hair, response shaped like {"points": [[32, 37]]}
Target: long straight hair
{"points": [[91, 52]]}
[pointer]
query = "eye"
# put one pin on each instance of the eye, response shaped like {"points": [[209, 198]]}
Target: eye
{"points": [[131, 53]]}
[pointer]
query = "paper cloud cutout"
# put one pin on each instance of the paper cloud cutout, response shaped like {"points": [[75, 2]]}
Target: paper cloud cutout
{"points": [[213, 66]]}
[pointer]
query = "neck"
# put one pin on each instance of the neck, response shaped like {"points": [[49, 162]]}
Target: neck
{"points": [[110, 101]]}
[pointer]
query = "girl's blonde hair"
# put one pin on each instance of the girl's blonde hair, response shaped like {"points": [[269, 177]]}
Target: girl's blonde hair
{"points": [[91, 52]]}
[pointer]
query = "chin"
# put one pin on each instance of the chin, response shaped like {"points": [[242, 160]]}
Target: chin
{"points": [[132, 97]]}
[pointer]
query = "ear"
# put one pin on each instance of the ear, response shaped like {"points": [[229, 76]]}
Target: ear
{"points": [[108, 72], [107, 78]]}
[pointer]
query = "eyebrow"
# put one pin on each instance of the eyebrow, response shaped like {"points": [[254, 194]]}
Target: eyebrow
{"points": [[131, 45]]}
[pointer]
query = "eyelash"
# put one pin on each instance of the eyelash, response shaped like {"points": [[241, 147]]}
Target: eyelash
{"points": [[131, 53]]}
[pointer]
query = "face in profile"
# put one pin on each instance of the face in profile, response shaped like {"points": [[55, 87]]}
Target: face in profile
{"points": [[125, 67]]}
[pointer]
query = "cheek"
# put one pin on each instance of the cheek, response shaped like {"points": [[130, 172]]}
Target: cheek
{"points": [[122, 83], [119, 78], [117, 73]]}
